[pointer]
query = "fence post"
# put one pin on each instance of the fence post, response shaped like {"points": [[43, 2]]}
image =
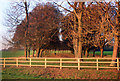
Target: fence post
{"points": [[4, 62], [17, 62], [45, 62], [78, 64], [118, 64], [60, 63], [30, 62], [97, 63]]}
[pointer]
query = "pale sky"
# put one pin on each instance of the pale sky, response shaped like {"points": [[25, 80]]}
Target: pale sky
{"points": [[3, 29]]}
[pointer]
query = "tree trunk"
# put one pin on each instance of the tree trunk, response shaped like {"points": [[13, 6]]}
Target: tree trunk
{"points": [[33, 52], [44, 52], [93, 52], [80, 36], [75, 47], [117, 38], [101, 51], [27, 24], [55, 51], [25, 52], [75, 40], [86, 52], [80, 50], [38, 52], [29, 52], [115, 50], [79, 32], [41, 50]]}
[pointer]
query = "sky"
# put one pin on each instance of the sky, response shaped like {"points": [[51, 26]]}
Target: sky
{"points": [[3, 29]]}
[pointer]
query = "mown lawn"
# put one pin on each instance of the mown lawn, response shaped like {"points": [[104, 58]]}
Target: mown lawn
{"points": [[20, 53], [17, 53], [104, 52]]}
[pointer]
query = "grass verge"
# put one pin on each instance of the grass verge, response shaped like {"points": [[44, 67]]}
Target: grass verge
{"points": [[13, 72]]}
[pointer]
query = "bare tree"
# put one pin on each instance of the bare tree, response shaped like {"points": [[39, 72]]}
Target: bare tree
{"points": [[115, 24], [16, 15]]}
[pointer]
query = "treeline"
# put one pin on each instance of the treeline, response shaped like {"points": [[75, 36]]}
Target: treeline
{"points": [[37, 29], [86, 25], [93, 25]]}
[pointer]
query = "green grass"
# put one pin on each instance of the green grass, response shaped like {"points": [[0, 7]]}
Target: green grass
{"points": [[13, 53], [19, 53], [61, 51], [51, 73], [13, 73], [104, 52]]}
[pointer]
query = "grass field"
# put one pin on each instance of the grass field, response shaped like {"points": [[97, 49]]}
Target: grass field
{"points": [[20, 53], [13, 53], [13, 72], [55, 73], [104, 52]]}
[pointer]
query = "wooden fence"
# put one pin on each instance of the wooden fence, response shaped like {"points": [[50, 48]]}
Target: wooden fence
{"points": [[78, 63]]}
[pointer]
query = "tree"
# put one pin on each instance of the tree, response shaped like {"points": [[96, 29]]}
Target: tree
{"points": [[42, 20], [115, 24], [112, 17], [15, 16], [78, 8], [76, 29], [95, 28], [101, 27]]}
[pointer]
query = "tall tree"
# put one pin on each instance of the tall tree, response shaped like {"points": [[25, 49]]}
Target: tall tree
{"points": [[26, 28], [15, 16], [78, 8], [115, 24], [42, 20]]}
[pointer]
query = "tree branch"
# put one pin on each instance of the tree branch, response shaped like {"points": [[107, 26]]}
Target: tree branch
{"points": [[62, 7]]}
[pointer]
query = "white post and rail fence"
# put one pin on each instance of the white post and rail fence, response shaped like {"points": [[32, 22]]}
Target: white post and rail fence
{"points": [[96, 63]]}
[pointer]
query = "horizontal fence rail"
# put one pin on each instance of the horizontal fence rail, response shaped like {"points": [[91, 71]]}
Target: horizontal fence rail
{"points": [[78, 63]]}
